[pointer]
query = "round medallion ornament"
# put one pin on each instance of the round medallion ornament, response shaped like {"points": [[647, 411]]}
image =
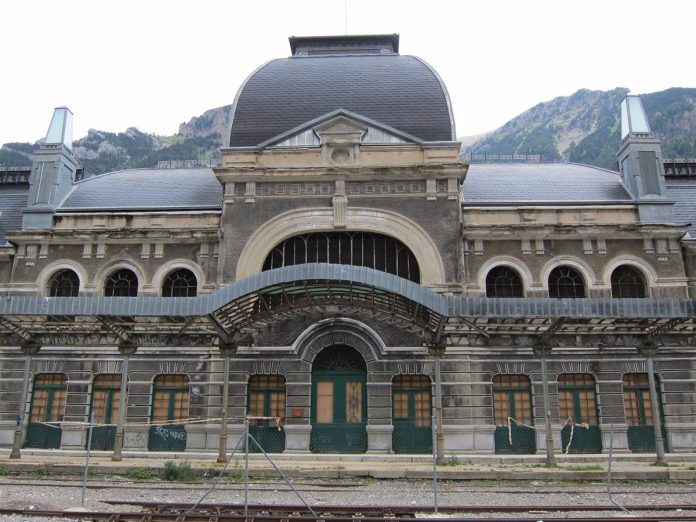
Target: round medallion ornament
{"points": [[340, 155]]}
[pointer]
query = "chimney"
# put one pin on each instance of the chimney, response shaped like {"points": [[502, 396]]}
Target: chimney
{"points": [[641, 165], [52, 173]]}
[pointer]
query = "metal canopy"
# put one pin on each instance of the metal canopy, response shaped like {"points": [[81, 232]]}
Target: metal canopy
{"points": [[234, 312]]}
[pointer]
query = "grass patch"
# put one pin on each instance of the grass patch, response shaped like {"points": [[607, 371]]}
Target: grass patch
{"points": [[660, 464], [179, 472], [585, 467], [139, 474], [452, 461]]}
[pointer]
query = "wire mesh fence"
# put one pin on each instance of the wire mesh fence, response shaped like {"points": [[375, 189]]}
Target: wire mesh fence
{"points": [[515, 437], [580, 437]]}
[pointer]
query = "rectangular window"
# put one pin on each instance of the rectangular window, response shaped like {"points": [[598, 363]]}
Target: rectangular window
{"points": [[325, 396]]}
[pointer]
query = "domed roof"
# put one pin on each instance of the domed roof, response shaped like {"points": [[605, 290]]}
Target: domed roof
{"points": [[402, 92]]}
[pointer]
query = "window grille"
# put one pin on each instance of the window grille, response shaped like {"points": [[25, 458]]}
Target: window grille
{"points": [[512, 397], [503, 281], [626, 281], [367, 249], [180, 283], [565, 281], [64, 283], [121, 283]]}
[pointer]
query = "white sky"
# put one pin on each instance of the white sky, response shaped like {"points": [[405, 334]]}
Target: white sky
{"points": [[153, 64]]}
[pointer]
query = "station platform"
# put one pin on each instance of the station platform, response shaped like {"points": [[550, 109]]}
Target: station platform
{"points": [[571, 467]]}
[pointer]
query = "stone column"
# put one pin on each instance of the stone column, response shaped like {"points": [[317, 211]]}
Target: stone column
{"points": [[126, 350], [648, 349], [227, 351], [542, 350], [28, 350], [437, 351]]}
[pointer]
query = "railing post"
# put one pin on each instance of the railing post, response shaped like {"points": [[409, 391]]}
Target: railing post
{"points": [[227, 350], [28, 350], [649, 349], [542, 350], [126, 350], [438, 350]]}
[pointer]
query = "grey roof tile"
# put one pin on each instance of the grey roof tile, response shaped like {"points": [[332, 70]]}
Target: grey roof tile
{"points": [[13, 198], [141, 189], [541, 183], [400, 91], [683, 192]]}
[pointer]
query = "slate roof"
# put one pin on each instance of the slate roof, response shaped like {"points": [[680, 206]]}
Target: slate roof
{"points": [[683, 192], [146, 189], [402, 92], [13, 198], [544, 183]]}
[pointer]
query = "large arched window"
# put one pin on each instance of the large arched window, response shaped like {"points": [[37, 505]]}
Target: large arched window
{"points": [[121, 283], [503, 281], [565, 281], [346, 248], [627, 281], [64, 283], [180, 283]]}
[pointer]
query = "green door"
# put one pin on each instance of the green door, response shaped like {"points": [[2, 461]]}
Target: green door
{"points": [[46, 411], [638, 408], [512, 409], [578, 411], [339, 402], [411, 414]]}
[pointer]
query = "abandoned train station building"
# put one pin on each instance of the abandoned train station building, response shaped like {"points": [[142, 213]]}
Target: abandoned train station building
{"points": [[339, 271]]}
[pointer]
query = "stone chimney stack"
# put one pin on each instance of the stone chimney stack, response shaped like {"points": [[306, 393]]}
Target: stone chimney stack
{"points": [[52, 173], [641, 165]]}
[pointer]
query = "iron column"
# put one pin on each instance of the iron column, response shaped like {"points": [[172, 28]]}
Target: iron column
{"points": [[649, 349], [227, 350], [542, 350], [28, 350], [126, 350], [437, 350]]}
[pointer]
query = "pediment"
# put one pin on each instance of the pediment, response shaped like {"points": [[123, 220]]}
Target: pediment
{"points": [[340, 127]]}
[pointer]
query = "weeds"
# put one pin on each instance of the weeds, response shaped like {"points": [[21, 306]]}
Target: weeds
{"points": [[139, 474], [180, 472]]}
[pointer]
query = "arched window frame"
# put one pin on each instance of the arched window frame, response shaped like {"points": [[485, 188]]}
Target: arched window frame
{"points": [[627, 281], [121, 283], [64, 283], [566, 282], [180, 282], [504, 281]]}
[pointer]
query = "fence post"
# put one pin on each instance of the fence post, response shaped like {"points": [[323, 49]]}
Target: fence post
{"points": [[28, 350], [227, 350], [126, 350]]}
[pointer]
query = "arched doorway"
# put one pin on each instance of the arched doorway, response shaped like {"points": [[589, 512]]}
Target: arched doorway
{"points": [[339, 401]]}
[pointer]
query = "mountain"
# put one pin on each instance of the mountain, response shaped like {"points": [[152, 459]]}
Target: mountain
{"points": [[585, 127], [100, 151]]}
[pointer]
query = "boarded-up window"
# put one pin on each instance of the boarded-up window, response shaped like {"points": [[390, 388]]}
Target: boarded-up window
{"points": [[49, 397], [577, 399], [170, 398], [414, 391], [637, 399], [325, 400], [267, 396], [512, 397], [106, 393]]}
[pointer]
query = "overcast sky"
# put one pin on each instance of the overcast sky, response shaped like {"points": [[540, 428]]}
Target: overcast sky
{"points": [[153, 64]]}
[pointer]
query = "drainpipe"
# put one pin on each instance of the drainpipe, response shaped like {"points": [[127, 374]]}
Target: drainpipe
{"points": [[28, 350], [126, 350]]}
